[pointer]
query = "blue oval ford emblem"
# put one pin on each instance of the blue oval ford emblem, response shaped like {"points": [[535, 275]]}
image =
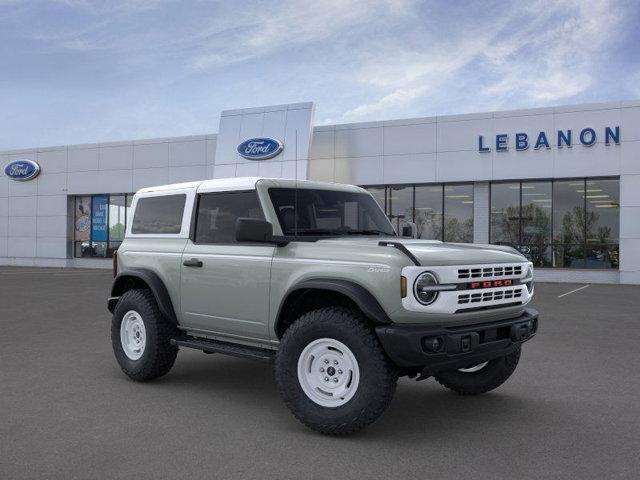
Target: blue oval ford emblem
{"points": [[260, 148], [22, 170]]}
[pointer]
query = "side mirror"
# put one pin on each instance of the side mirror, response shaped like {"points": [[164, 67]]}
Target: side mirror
{"points": [[254, 230], [410, 230]]}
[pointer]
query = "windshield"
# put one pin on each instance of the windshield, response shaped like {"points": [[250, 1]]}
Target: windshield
{"points": [[328, 212]]}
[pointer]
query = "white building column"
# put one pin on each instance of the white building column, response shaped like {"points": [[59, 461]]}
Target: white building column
{"points": [[629, 229], [481, 212], [291, 124]]}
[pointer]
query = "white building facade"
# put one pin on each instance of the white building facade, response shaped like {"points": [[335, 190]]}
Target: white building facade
{"points": [[560, 184]]}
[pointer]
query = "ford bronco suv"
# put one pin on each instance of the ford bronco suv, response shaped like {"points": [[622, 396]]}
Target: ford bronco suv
{"points": [[312, 277]]}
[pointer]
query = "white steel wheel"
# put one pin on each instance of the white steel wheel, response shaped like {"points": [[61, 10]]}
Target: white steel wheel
{"points": [[475, 368], [133, 336], [328, 372]]}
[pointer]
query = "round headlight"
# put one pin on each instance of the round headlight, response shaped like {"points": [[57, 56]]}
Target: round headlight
{"points": [[423, 288], [528, 279]]}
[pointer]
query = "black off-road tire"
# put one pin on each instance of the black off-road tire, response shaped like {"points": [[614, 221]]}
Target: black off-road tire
{"points": [[494, 374], [378, 376], [159, 355]]}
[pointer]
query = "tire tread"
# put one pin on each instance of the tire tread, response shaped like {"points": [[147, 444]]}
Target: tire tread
{"points": [[159, 355], [385, 374]]}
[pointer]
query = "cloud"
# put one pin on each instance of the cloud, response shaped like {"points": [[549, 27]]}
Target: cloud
{"points": [[391, 101], [406, 76], [554, 63], [125, 69], [541, 53], [287, 25]]}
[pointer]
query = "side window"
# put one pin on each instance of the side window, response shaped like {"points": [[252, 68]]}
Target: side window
{"points": [[159, 215], [218, 212]]}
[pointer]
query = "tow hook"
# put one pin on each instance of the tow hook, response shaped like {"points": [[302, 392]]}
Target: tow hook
{"points": [[520, 332]]}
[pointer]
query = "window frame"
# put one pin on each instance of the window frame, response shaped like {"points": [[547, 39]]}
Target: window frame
{"points": [[193, 224]]}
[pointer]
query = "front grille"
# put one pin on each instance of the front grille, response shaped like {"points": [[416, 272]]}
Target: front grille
{"points": [[486, 272], [479, 297]]}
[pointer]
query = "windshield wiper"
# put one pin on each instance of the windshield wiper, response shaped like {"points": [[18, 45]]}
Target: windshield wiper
{"points": [[314, 231], [325, 231], [369, 232]]}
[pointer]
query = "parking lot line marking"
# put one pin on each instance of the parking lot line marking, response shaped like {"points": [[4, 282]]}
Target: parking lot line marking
{"points": [[573, 291]]}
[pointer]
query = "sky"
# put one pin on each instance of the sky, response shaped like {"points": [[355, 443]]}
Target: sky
{"points": [[80, 71]]}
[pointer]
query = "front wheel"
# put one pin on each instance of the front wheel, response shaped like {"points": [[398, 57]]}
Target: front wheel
{"points": [[332, 372], [480, 378]]}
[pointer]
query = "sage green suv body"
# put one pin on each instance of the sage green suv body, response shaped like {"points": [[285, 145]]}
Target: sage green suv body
{"points": [[231, 266]]}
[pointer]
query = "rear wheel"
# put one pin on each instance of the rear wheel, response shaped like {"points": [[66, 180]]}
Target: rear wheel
{"points": [[480, 378], [141, 336], [332, 372]]}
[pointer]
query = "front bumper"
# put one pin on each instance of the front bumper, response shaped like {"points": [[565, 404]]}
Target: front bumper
{"points": [[436, 349]]}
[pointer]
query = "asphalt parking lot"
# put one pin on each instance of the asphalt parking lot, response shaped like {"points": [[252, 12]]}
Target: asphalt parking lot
{"points": [[571, 410]]}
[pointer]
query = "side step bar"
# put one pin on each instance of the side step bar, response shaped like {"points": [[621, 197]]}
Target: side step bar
{"points": [[216, 346]]}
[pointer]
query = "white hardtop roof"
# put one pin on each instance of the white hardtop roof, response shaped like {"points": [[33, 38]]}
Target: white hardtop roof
{"points": [[240, 183]]}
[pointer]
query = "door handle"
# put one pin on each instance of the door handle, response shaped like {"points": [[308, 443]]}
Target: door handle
{"points": [[193, 262]]}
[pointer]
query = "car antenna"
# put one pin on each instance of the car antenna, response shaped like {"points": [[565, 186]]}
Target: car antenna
{"points": [[295, 194]]}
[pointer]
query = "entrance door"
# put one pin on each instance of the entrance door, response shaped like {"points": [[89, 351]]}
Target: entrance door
{"points": [[225, 284]]}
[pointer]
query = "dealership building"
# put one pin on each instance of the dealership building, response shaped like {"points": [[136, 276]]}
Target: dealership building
{"points": [[561, 184]]}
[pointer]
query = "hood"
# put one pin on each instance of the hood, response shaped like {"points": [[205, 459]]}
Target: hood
{"points": [[436, 253]]}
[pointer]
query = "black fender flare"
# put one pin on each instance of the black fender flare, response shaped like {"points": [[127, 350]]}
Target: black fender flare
{"points": [[362, 297], [152, 281]]}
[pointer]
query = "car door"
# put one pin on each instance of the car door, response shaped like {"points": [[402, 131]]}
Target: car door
{"points": [[225, 284]]}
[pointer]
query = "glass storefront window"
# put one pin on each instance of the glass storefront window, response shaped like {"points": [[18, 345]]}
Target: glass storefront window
{"points": [[458, 213], [603, 223], [379, 195], [569, 223], [440, 212], [505, 214], [99, 232], [117, 221], [568, 212], [603, 211], [99, 223], [428, 211], [400, 201], [563, 223], [82, 226], [535, 241]]}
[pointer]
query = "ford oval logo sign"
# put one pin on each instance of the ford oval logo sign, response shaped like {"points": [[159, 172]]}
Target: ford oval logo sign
{"points": [[260, 148], [22, 170]]}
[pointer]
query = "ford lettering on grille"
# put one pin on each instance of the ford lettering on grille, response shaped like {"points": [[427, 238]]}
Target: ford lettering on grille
{"points": [[490, 284]]}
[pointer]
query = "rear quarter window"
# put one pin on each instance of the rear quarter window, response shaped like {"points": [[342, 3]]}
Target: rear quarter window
{"points": [[159, 215]]}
